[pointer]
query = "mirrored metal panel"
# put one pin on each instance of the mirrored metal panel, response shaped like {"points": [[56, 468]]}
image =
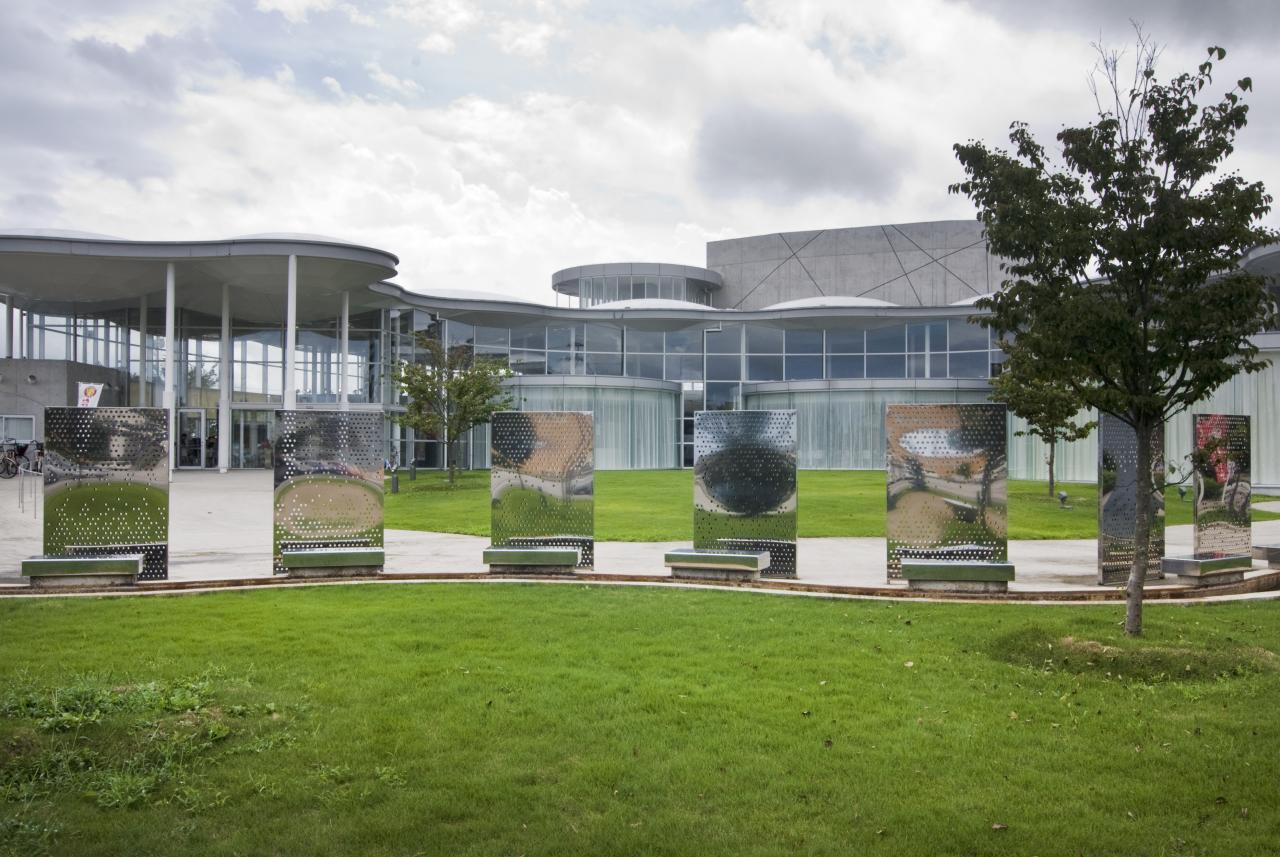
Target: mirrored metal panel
{"points": [[744, 484], [542, 480], [947, 483], [1223, 485], [106, 484], [1117, 498], [328, 481]]}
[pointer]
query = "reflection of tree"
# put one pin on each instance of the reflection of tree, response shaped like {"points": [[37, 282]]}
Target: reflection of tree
{"points": [[915, 472]]}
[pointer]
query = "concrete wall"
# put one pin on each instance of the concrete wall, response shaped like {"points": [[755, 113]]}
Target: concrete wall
{"points": [[55, 385], [909, 264]]}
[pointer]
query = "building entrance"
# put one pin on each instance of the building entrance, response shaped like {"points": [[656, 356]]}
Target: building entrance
{"points": [[197, 439]]}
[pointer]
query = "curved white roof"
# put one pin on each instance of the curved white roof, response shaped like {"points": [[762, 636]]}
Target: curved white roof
{"points": [[650, 303], [290, 236], [973, 300], [70, 234], [830, 301], [468, 295]]}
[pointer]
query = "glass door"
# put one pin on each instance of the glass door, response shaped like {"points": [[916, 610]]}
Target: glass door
{"points": [[251, 439], [191, 443]]}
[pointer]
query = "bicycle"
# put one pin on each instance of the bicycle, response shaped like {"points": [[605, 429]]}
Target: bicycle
{"points": [[9, 460]]}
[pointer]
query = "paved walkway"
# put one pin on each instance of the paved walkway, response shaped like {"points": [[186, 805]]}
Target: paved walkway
{"points": [[220, 528]]}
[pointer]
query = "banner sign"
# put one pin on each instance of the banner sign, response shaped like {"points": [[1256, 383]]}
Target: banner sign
{"points": [[89, 394]]}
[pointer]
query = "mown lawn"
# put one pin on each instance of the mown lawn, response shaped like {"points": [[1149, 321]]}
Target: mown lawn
{"points": [[547, 720], [657, 505]]}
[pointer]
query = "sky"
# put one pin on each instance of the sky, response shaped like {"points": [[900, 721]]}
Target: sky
{"points": [[490, 144]]}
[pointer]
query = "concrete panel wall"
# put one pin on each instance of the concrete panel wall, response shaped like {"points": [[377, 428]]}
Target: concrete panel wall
{"points": [[910, 264], [55, 384]]}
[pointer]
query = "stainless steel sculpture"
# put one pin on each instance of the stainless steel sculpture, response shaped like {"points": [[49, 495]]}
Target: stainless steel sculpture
{"points": [[328, 481], [1223, 486], [1117, 500], [542, 481], [947, 483], [744, 485], [106, 484]]}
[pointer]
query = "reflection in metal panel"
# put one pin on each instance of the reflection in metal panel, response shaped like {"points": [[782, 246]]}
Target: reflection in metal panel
{"points": [[1223, 485], [744, 484], [542, 480], [328, 481], [106, 484], [1117, 500], [947, 483]]}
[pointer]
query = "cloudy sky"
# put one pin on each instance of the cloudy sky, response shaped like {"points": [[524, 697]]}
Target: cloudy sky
{"points": [[489, 144]]}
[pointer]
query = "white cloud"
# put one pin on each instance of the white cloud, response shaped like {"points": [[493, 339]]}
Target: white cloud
{"points": [[524, 38], [387, 80], [333, 86], [294, 11], [437, 43]]}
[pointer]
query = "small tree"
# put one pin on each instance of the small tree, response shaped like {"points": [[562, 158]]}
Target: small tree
{"points": [[449, 394], [1049, 409], [1124, 287]]}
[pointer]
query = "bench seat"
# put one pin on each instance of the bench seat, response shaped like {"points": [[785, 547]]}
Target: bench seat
{"points": [[952, 575], [332, 562], [703, 564], [112, 570], [530, 559], [1207, 569]]}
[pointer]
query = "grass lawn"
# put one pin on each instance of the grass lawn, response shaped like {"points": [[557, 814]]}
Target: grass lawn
{"points": [[539, 719], [657, 505]]}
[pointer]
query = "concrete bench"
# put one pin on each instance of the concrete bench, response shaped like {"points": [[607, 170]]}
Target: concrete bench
{"points": [[1270, 554], [1207, 569], [114, 570], [332, 562], [950, 575], [531, 560], [701, 564]]}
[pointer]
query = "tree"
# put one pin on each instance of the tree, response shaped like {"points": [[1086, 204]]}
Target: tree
{"points": [[450, 393], [1124, 287], [1049, 409]]}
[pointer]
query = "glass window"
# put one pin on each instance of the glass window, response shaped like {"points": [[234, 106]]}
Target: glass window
{"points": [[459, 333], [651, 287], [844, 341], [937, 336], [886, 366], [644, 366], [938, 365], [21, 429], [604, 364], [966, 336], [684, 367], [845, 366], [721, 397], [534, 336], [529, 362], [806, 368], [637, 288], [763, 340], [668, 291], [764, 367], [885, 340], [804, 341], [497, 337], [496, 356], [724, 367], [724, 341], [559, 362], [603, 337], [968, 364], [693, 402], [644, 341], [684, 342], [917, 337], [915, 365]]}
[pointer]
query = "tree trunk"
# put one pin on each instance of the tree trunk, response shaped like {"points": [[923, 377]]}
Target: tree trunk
{"points": [[1052, 450], [1142, 531], [451, 459]]}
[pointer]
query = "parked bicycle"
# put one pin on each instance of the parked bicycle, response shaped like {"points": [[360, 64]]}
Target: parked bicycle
{"points": [[9, 463], [16, 456]]}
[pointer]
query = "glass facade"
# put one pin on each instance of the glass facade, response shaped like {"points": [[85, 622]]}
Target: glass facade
{"points": [[600, 290]]}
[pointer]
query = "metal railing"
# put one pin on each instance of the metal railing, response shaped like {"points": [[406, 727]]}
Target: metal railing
{"points": [[30, 482]]}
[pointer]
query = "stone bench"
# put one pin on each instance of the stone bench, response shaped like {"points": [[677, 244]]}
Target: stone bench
{"points": [[332, 562], [951, 575], [1207, 569], [1270, 554], [700, 564], [114, 570], [529, 559]]}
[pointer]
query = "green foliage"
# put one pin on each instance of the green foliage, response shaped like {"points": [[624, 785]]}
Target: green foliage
{"points": [[1123, 287], [449, 393], [545, 720], [1050, 409]]}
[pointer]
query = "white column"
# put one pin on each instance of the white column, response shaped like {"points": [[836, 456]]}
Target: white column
{"points": [[144, 388], [344, 340], [170, 399], [291, 336], [224, 384], [28, 349], [8, 326]]}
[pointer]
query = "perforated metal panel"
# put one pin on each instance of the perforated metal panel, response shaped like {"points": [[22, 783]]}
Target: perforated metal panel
{"points": [[542, 480], [106, 484], [947, 483], [1117, 499], [744, 484], [1223, 485], [328, 481]]}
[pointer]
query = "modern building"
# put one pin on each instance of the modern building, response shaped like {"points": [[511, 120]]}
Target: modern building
{"points": [[833, 323]]}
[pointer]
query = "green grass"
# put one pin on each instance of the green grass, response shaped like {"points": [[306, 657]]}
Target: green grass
{"points": [[657, 505], [547, 720]]}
